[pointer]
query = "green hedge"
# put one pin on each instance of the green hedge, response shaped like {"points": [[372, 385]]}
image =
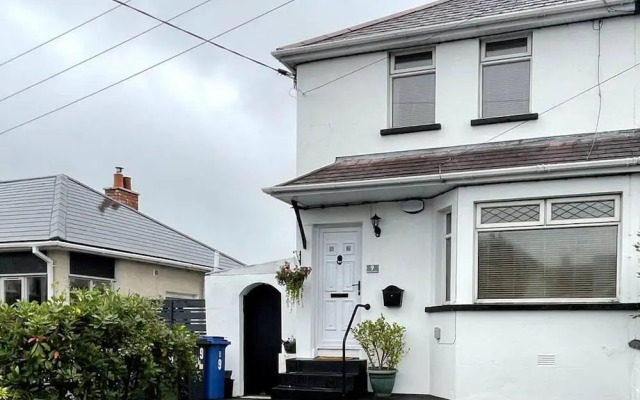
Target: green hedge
{"points": [[102, 346]]}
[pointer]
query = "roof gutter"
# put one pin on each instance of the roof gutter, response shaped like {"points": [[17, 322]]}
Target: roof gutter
{"points": [[56, 244], [574, 169], [491, 25]]}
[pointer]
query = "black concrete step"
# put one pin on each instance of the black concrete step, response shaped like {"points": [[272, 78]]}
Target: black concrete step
{"points": [[295, 393], [313, 365], [318, 380]]}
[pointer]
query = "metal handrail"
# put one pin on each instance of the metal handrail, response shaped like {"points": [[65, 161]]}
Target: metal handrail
{"points": [[344, 347]]}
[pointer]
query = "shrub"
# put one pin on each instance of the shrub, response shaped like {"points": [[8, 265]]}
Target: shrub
{"points": [[103, 346], [382, 341]]}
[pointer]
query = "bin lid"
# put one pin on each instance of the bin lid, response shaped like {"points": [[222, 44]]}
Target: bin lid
{"points": [[211, 340]]}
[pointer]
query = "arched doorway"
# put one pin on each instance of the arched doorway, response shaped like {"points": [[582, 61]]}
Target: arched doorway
{"points": [[262, 339]]}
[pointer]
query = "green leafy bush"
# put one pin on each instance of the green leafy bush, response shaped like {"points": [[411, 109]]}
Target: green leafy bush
{"points": [[382, 341], [102, 346]]}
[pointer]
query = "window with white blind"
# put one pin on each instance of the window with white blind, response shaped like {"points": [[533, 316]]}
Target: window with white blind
{"points": [[548, 249], [506, 77], [413, 89]]}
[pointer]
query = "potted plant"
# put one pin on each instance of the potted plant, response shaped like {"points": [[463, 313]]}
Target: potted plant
{"points": [[289, 345], [384, 344], [293, 281]]}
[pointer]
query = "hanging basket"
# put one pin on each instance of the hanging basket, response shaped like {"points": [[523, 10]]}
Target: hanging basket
{"points": [[293, 281]]}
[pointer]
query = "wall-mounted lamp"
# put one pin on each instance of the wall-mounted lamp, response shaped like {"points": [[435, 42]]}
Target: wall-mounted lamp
{"points": [[375, 222]]}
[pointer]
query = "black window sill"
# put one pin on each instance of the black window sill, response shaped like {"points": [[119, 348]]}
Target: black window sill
{"points": [[536, 307], [501, 120], [410, 129]]}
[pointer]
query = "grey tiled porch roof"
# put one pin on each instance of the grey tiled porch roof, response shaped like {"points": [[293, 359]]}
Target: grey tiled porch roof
{"points": [[517, 153], [61, 208], [434, 14]]}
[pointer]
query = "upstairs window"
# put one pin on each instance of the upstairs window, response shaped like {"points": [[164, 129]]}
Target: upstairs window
{"points": [[506, 77], [413, 89], [548, 249]]}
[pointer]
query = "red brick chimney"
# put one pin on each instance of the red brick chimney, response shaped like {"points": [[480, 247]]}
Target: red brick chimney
{"points": [[121, 190]]}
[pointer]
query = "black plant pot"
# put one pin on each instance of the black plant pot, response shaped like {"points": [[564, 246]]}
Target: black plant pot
{"points": [[289, 348]]}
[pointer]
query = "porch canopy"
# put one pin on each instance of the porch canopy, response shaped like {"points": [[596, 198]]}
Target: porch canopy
{"points": [[423, 174]]}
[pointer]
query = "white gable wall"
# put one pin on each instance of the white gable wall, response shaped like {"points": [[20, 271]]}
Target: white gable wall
{"points": [[345, 117]]}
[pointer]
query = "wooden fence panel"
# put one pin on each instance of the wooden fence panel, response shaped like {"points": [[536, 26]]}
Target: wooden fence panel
{"points": [[190, 313]]}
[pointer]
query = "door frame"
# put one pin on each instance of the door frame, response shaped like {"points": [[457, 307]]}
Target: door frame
{"points": [[317, 256], [243, 326]]}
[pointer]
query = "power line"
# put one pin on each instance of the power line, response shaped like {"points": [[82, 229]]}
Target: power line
{"points": [[611, 9], [140, 72], [542, 113], [343, 76], [99, 54], [385, 57], [61, 35], [278, 70]]}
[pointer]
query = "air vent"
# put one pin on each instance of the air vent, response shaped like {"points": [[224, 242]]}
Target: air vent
{"points": [[546, 360]]}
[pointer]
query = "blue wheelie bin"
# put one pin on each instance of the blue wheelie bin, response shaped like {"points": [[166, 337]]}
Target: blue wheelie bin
{"points": [[213, 376]]}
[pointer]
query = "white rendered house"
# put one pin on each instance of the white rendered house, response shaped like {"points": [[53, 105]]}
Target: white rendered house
{"points": [[499, 141]]}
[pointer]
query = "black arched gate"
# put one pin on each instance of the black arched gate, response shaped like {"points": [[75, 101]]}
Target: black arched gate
{"points": [[262, 339]]}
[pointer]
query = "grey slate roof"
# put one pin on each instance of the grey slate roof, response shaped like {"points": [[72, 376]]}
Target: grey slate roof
{"points": [[514, 153], [436, 13], [59, 207]]}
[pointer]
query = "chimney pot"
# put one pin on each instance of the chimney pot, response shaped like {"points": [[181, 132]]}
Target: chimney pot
{"points": [[118, 178], [121, 190]]}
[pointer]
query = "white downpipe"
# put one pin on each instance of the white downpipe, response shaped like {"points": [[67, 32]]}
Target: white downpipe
{"points": [[106, 252], [486, 176], [35, 250]]}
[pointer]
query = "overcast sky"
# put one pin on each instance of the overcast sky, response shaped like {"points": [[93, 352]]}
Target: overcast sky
{"points": [[200, 135]]}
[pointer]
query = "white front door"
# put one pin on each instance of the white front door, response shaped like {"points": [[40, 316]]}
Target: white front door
{"points": [[339, 286]]}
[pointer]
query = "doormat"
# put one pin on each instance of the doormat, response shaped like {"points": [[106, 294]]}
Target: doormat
{"points": [[332, 358]]}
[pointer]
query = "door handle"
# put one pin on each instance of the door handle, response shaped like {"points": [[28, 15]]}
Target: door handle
{"points": [[358, 285]]}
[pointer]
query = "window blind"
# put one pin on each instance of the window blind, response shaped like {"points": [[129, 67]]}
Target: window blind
{"points": [[91, 265], [414, 60], [21, 263], [505, 89], [414, 100], [577, 262], [506, 47]]}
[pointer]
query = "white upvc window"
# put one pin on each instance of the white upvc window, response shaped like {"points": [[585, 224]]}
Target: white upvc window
{"points": [[29, 287], [505, 76], [89, 282], [413, 88], [447, 256], [562, 249]]}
